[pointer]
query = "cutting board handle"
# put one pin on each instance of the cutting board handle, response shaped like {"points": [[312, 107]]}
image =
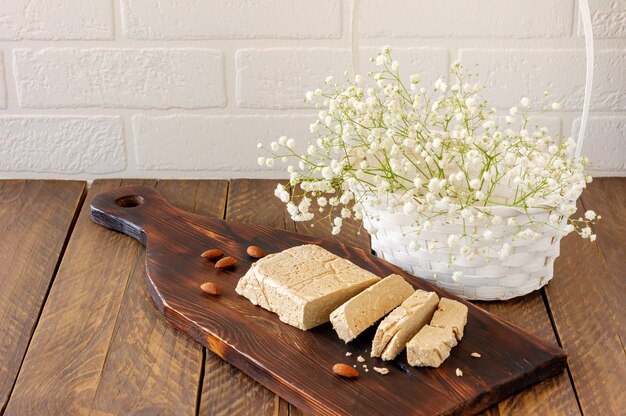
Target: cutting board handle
{"points": [[130, 210]]}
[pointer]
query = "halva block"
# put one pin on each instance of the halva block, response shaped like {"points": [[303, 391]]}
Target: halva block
{"points": [[303, 284], [452, 314], [430, 346], [363, 310], [403, 323]]}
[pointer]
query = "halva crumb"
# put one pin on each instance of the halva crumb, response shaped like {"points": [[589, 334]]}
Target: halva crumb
{"points": [[381, 370], [459, 373], [360, 359]]}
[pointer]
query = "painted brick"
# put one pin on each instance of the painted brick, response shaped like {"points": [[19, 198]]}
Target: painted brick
{"points": [[3, 91], [213, 143], [511, 74], [132, 78], [458, 18], [61, 144], [608, 18], [56, 19], [605, 142], [280, 77], [231, 19]]}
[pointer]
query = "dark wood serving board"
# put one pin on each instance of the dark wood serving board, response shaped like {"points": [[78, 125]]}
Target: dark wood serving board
{"points": [[297, 364]]}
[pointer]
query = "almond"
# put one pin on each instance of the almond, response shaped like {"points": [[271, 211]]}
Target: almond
{"points": [[225, 263], [344, 370], [210, 288], [256, 252], [212, 254]]}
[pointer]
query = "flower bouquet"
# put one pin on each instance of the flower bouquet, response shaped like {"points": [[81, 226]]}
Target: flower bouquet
{"points": [[449, 190]]}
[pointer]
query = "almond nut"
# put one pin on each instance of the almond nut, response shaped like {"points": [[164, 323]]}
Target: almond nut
{"points": [[225, 263], [212, 254], [256, 252], [210, 288], [344, 370]]}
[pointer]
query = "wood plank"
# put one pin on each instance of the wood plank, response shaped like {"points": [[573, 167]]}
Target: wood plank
{"points": [[69, 347], [225, 389], [607, 196], [152, 367], [35, 220], [554, 396], [587, 309], [255, 341], [101, 345]]}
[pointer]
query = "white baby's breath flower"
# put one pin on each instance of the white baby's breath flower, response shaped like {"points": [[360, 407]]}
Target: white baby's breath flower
{"points": [[282, 193], [261, 161], [590, 215], [556, 106], [453, 240], [436, 156], [457, 276]]}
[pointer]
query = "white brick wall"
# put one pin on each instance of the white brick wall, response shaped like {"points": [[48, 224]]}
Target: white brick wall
{"points": [[56, 19], [60, 144], [133, 78], [209, 143], [152, 88], [193, 19], [452, 18], [510, 75]]}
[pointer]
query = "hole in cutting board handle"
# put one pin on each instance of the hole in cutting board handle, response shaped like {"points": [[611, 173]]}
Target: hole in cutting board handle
{"points": [[129, 201]]}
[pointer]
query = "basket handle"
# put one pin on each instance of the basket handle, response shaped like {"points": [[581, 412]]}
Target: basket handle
{"points": [[588, 33]]}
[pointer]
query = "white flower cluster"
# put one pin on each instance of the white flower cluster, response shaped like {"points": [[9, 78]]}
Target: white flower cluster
{"points": [[439, 155]]}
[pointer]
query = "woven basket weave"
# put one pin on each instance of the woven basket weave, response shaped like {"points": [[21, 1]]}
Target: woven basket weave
{"points": [[527, 268]]}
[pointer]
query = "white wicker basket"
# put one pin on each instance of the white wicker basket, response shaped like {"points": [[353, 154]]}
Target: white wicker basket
{"points": [[527, 268], [530, 265]]}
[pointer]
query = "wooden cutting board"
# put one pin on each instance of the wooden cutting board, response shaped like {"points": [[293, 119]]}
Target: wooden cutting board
{"points": [[297, 364]]}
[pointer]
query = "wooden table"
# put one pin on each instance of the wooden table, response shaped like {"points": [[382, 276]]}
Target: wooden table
{"points": [[80, 334]]}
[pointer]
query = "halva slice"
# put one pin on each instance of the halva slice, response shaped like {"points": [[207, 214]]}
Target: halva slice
{"points": [[430, 346], [452, 314], [363, 310], [303, 284], [403, 323]]}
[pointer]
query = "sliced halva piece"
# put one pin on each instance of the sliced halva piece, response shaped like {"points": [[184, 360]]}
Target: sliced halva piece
{"points": [[363, 310], [303, 284], [430, 346], [403, 323], [452, 314]]}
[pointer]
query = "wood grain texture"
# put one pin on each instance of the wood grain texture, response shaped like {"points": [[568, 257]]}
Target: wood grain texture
{"points": [[151, 367], [607, 196], [226, 390], [554, 396], [296, 364], [100, 346], [35, 219], [68, 350], [587, 308]]}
